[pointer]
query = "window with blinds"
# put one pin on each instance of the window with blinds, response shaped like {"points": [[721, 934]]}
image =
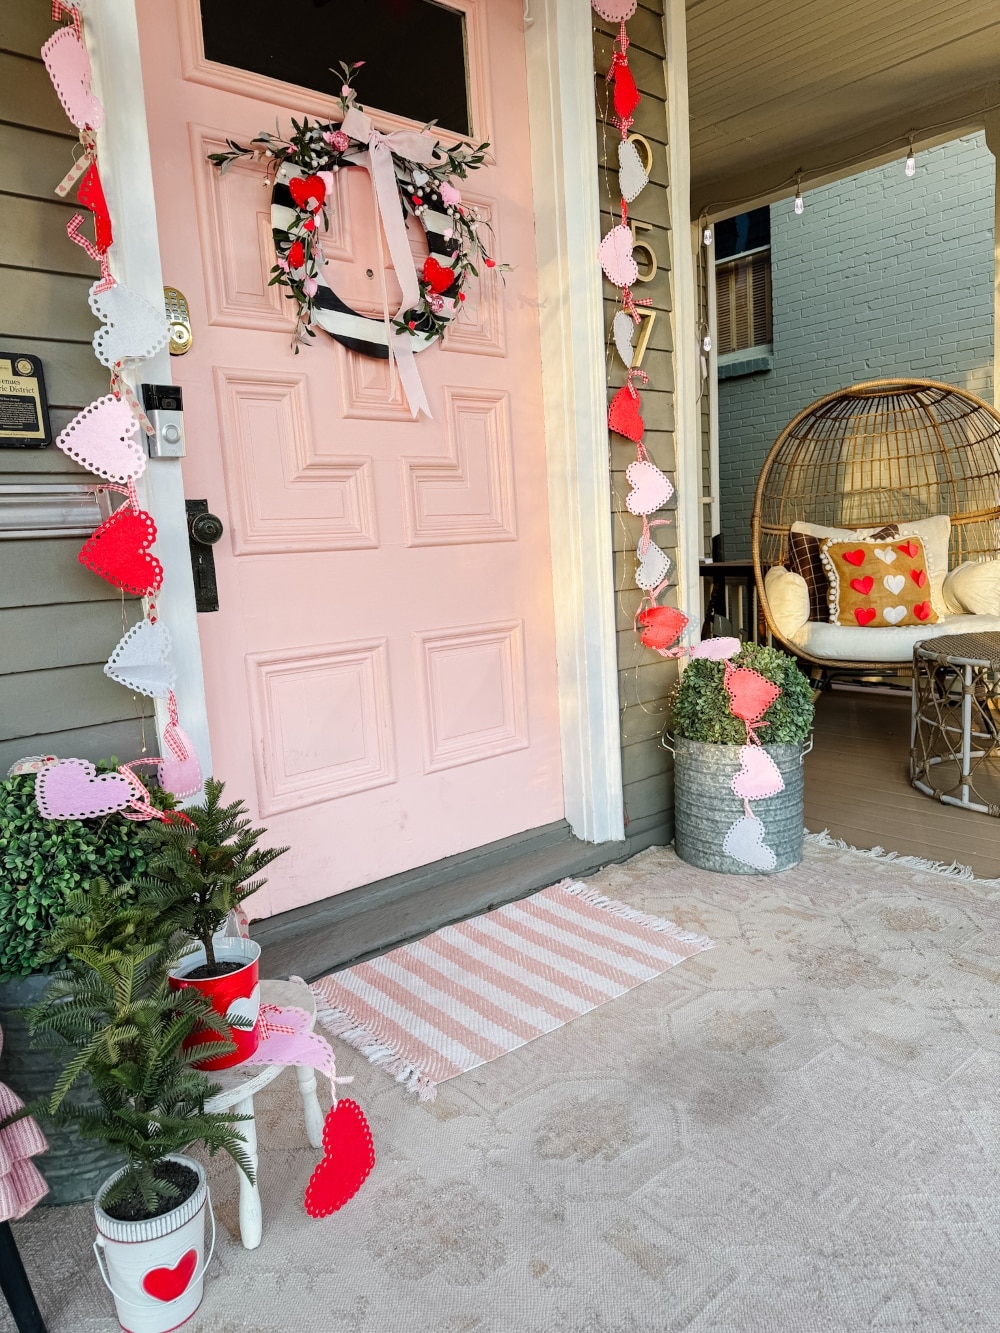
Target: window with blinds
{"points": [[743, 301]]}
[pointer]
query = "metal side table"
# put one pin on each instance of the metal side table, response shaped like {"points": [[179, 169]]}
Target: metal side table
{"points": [[955, 731]]}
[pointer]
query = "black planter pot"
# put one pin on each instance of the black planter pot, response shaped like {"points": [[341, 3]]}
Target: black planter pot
{"points": [[74, 1168]]}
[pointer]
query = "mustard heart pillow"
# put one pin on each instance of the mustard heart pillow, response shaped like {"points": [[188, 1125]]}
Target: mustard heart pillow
{"points": [[878, 583]]}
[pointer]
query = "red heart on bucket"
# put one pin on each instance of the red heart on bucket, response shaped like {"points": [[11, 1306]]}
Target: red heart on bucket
{"points": [[854, 557], [437, 276], [304, 188], [119, 552], [624, 416], [350, 1156], [166, 1284]]}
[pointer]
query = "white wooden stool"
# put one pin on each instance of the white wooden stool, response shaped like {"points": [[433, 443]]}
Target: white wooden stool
{"points": [[240, 1084]]}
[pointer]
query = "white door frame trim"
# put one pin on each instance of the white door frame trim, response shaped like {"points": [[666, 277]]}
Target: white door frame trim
{"points": [[565, 177]]}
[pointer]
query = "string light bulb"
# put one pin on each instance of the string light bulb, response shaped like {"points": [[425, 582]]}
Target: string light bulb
{"points": [[799, 201], [911, 161], [706, 235], [706, 343]]}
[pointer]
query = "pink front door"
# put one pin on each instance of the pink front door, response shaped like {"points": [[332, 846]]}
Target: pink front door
{"points": [[381, 674]]}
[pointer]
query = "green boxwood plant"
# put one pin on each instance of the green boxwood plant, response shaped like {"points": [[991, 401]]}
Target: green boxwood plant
{"points": [[43, 860], [700, 704]]}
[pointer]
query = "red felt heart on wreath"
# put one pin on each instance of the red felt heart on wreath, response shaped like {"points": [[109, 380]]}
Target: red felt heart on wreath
{"points": [[624, 416], [908, 548], [919, 577], [864, 615], [922, 610], [437, 276], [854, 557], [863, 586], [304, 188], [166, 1284], [663, 626], [350, 1156], [119, 552]]}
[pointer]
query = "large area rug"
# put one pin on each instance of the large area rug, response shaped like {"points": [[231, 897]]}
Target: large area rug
{"points": [[795, 1132], [469, 993]]}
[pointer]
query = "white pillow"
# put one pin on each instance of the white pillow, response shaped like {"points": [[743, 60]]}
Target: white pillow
{"points": [[788, 599], [975, 586]]}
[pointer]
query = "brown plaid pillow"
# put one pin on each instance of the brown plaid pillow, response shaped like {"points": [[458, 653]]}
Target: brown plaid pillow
{"points": [[805, 560]]}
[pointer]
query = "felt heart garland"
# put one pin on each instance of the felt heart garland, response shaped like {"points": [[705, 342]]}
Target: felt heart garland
{"points": [[102, 439], [349, 1159], [141, 661], [750, 696], [118, 551]]}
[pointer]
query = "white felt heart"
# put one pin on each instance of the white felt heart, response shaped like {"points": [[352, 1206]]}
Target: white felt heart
{"points": [[615, 11], [632, 178], [244, 1011], [615, 254], [650, 488], [886, 556], [653, 567], [132, 328], [894, 614], [179, 774], [894, 582], [745, 842], [141, 661], [102, 439], [623, 330]]}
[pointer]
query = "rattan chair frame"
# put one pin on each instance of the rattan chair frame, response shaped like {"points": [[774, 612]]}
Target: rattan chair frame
{"points": [[909, 448]]}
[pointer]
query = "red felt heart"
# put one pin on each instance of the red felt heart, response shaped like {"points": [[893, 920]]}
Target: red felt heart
{"points": [[119, 552], [350, 1156], [304, 188], [922, 610], [624, 416], [437, 276], [864, 615], [166, 1284], [863, 586], [750, 695], [626, 93], [91, 195], [855, 557], [663, 626], [919, 577], [908, 548]]}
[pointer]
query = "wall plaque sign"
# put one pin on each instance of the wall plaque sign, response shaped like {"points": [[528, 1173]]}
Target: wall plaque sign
{"points": [[24, 409]]}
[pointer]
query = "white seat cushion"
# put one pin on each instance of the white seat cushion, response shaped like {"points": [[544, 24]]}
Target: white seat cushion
{"points": [[845, 643]]}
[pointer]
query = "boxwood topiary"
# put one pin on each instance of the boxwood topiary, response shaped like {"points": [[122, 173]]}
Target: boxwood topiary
{"points": [[700, 704], [42, 859]]}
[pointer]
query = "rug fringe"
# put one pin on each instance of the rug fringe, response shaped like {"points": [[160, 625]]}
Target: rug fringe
{"points": [[616, 908], [954, 870], [340, 1024]]}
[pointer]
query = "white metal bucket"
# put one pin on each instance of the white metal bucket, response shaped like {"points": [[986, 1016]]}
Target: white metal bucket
{"points": [[155, 1269]]}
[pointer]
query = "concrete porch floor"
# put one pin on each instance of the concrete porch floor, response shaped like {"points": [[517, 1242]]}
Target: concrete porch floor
{"points": [[857, 786], [791, 1133]]}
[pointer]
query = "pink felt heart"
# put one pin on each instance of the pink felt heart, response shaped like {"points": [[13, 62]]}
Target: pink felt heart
{"points": [[350, 1156], [615, 11], [102, 439], [758, 776], [68, 65], [745, 842], [651, 489], [615, 254], [179, 774], [716, 650], [750, 695], [71, 789]]}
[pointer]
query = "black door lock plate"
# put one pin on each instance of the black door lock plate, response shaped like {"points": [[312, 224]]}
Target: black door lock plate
{"points": [[204, 530]]}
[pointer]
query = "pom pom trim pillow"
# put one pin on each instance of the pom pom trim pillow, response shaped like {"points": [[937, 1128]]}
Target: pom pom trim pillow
{"points": [[878, 583]]}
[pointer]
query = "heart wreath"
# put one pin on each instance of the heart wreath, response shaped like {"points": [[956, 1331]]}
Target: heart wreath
{"points": [[412, 173]]}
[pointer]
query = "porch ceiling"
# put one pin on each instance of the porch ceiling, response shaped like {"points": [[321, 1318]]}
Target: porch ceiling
{"points": [[782, 84]]}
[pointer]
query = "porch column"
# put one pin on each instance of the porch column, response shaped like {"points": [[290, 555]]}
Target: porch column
{"points": [[993, 144], [684, 314], [560, 61], [127, 177]]}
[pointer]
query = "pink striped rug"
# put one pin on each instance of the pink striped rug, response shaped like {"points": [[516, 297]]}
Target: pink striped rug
{"points": [[474, 991]]}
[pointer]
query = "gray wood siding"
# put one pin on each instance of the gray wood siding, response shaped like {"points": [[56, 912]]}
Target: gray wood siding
{"points": [[58, 622], [644, 678]]}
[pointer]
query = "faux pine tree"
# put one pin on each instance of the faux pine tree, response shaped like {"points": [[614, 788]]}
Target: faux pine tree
{"points": [[200, 868], [122, 1027]]}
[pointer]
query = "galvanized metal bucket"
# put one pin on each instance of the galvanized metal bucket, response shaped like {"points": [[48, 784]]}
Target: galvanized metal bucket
{"points": [[705, 805]]}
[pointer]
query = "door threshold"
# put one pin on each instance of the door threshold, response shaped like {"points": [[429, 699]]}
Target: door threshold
{"points": [[362, 923]]}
